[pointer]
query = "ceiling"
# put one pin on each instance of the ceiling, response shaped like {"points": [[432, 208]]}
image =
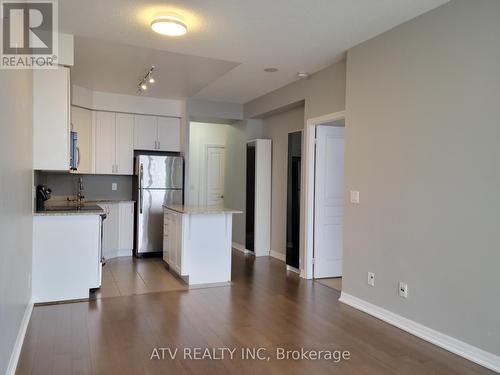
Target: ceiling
{"points": [[113, 67], [228, 45]]}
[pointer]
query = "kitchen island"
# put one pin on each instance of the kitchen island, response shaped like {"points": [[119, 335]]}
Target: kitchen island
{"points": [[197, 243]]}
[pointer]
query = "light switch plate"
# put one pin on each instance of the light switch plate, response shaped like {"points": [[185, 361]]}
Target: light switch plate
{"points": [[354, 196], [114, 186]]}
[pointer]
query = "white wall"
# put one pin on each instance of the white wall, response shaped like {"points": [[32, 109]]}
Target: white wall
{"points": [[204, 110], [423, 149], [322, 93], [16, 221], [277, 128]]}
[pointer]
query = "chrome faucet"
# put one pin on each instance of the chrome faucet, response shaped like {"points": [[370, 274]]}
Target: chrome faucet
{"points": [[80, 195]]}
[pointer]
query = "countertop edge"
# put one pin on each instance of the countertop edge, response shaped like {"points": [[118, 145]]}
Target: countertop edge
{"points": [[202, 210]]}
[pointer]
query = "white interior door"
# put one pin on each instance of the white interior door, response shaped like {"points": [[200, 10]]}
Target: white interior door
{"points": [[215, 175], [329, 201]]}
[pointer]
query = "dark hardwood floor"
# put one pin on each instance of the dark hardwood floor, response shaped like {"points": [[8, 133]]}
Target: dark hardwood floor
{"points": [[266, 307]]}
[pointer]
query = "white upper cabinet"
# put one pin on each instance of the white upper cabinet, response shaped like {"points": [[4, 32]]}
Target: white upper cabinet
{"points": [[146, 132], [105, 155], [157, 133], [124, 143], [169, 134], [81, 122], [51, 119], [114, 143]]}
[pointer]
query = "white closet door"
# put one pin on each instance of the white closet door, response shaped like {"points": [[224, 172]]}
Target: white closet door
{"points": [[124, 144], [105, 142], [329, 202], [169, 134]]}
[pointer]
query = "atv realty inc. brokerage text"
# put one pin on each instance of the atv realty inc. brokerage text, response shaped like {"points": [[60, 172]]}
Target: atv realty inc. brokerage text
{"points": [[256, 354]]}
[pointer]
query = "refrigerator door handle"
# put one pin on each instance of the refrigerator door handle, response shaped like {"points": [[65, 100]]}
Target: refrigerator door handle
{"points": [[141, 170]]}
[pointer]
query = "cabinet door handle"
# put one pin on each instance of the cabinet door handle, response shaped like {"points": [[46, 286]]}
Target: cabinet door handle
{"points": [[159, 145]]}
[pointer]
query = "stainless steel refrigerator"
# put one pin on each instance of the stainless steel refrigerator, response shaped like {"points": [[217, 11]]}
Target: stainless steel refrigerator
{"points": [[159, 181]]}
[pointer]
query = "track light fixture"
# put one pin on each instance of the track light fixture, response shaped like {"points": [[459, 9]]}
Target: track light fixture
{"points": [[148, 78]]}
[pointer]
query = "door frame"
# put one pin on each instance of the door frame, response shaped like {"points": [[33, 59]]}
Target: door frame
{"points": [[309, 152], [203, 174]]}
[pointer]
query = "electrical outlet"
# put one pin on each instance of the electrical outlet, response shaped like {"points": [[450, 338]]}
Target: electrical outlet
{"points": [[403, 289], [114, 186], [371, 279], [354, 196]]}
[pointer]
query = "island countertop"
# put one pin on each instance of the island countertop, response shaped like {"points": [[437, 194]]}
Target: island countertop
{"points": [[194, 209]]}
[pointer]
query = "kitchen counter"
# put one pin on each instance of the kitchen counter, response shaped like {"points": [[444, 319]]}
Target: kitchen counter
{"points": [[192, 209], [87, 209]]}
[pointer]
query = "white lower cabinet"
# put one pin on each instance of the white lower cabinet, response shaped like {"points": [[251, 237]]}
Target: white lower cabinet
{"points": [[65, 262], [172, 241], [118, 229]]}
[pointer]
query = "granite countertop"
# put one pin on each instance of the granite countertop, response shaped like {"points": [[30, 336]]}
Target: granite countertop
{"points": [[66, 210], [187, 209]]}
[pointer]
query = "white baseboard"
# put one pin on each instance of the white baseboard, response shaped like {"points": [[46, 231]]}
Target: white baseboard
{"points": [[467, 351], [292, 269], [18, 345], [277, 255], [241, 248], [110, 254]]}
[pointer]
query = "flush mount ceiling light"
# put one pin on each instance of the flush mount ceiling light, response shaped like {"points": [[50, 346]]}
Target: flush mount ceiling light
{"points": [[142, 85], [169, 25], [271, 70]]}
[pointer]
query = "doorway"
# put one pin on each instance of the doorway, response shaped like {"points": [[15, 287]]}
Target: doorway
{"points": [[250, 199], [323, 212], [293, 200]]}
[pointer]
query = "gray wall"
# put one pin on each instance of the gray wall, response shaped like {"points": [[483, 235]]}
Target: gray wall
{"points": [[423, 147], [323, 92], [95, 186], [277, 128], [16, 220]]}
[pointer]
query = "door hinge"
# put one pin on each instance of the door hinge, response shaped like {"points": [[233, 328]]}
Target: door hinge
{"points": [[313, 261]]}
